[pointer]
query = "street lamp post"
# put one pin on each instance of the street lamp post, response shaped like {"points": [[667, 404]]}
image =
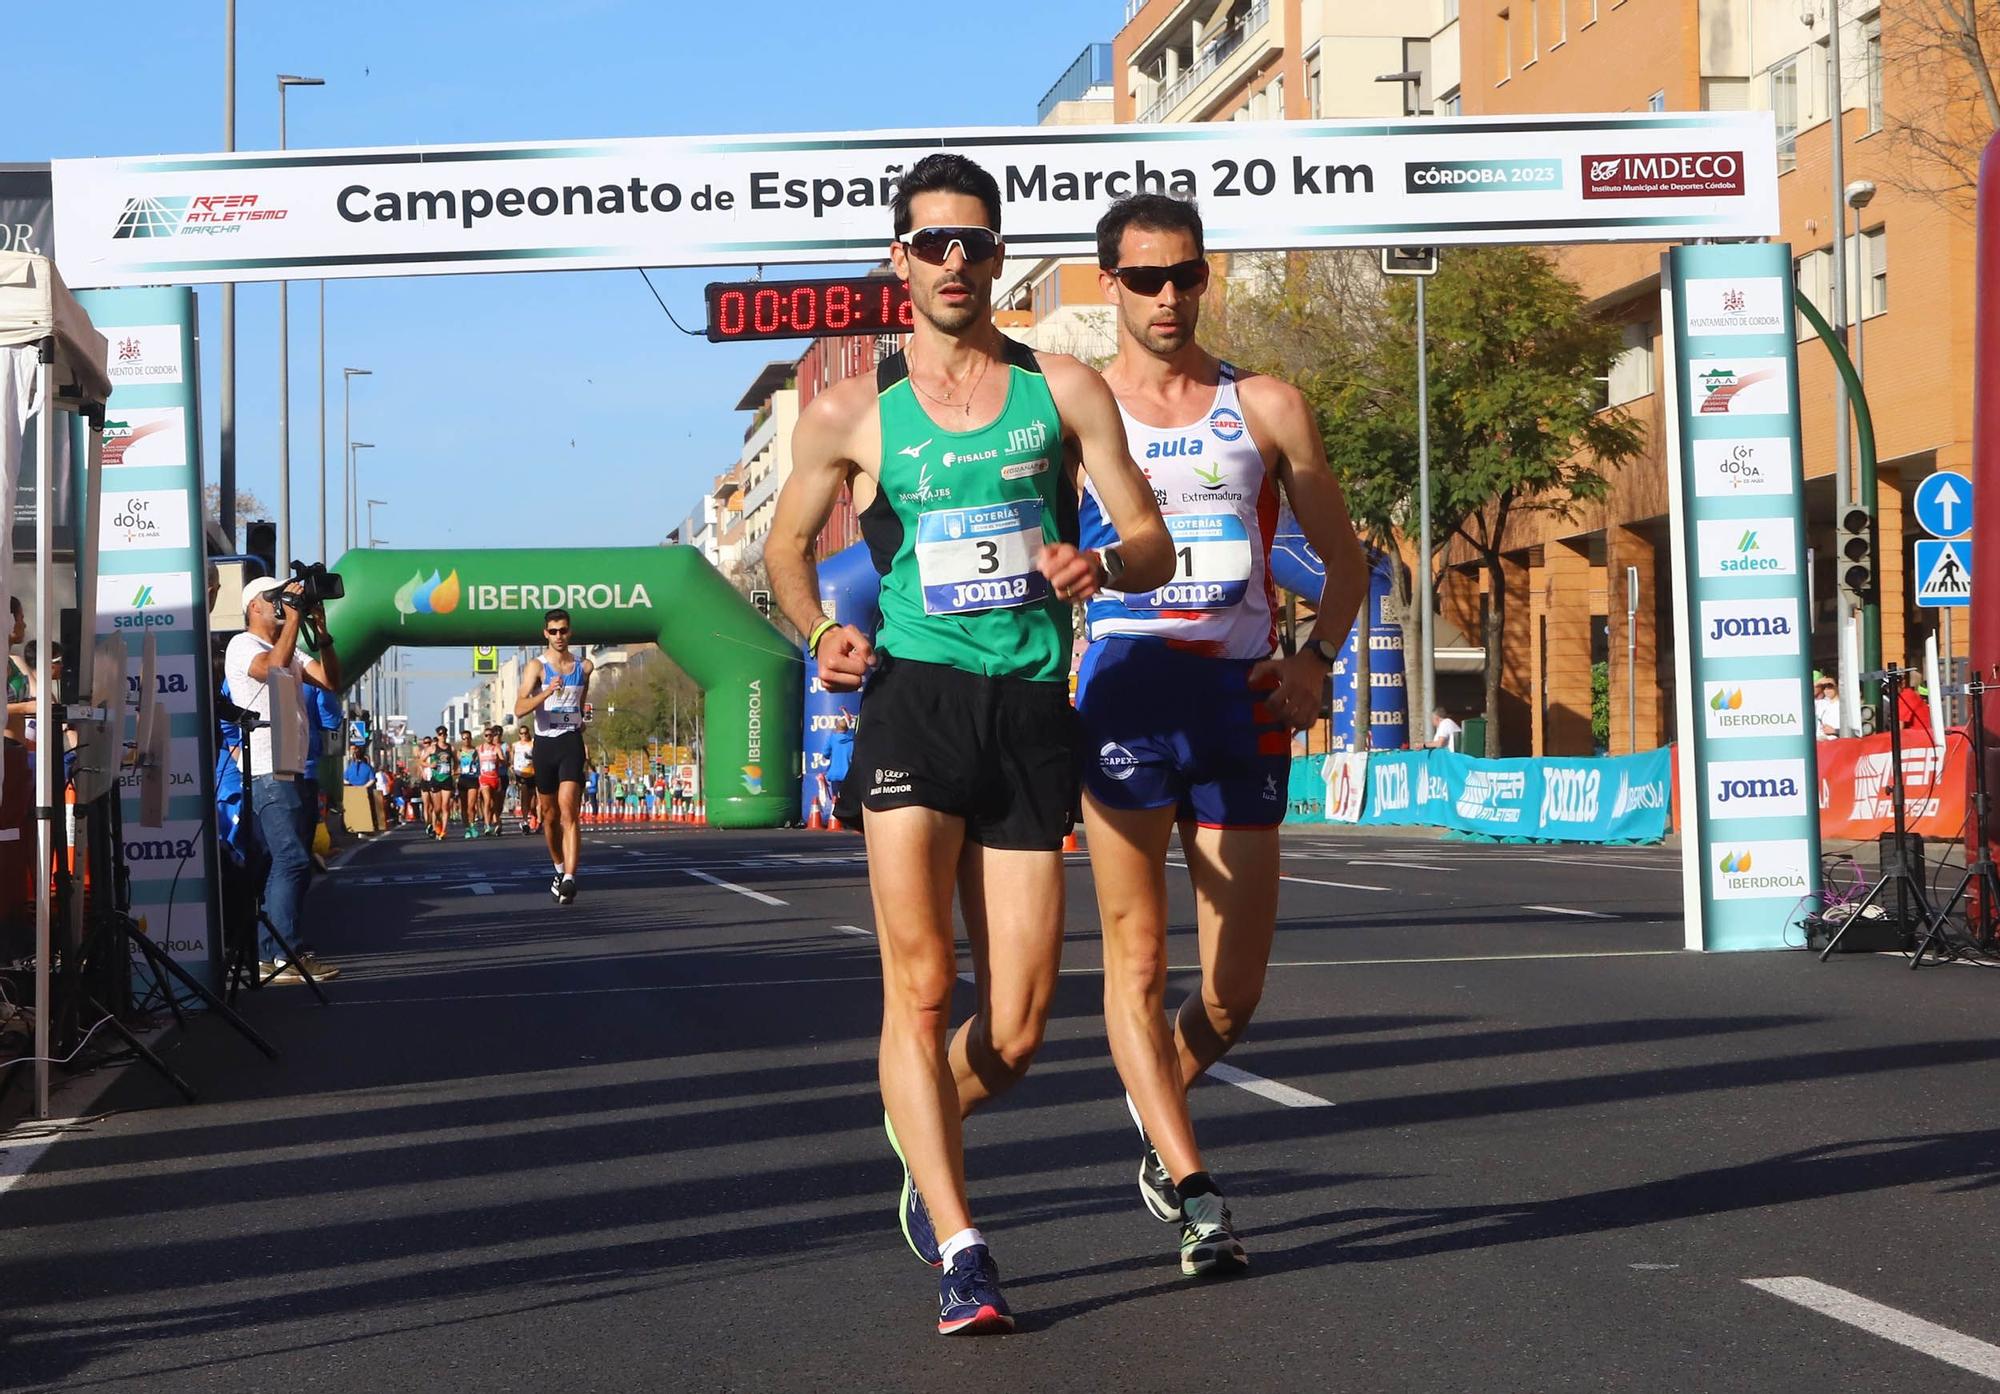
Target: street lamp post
{"points": [[286, 82], [226, 429], [347, 377], [347, 494]]}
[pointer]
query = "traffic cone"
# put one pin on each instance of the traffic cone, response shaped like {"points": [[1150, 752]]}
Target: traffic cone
{"points": [[813, 824], [835, 825], [1070, 843], [701, 814]]}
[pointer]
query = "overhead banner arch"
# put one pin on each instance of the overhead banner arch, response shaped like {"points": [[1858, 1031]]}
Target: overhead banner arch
{"points": [[671, 596], [770, 199]]}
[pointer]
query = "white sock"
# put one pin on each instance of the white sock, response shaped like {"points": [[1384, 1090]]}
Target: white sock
{"points": [[958, 1243]]}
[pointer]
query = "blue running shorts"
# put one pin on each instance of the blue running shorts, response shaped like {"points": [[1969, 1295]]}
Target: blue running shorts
{"points": [[1164, 725]]}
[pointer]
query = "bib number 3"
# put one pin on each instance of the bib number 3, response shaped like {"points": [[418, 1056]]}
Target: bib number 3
{"points": [[980, 558]]}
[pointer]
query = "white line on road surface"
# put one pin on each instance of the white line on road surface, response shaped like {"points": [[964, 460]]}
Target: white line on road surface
{"points": [[480, 888], [1938, 1342], [855, 929], [1342, 885], [1266, 1088], [1565, 910], [758, 896], [1404, 866]]}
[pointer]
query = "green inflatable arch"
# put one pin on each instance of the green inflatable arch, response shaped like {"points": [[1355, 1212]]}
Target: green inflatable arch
{"points": [[750, 673]]}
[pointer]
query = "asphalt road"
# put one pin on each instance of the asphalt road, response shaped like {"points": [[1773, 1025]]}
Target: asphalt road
{"points": [[1495, 1132]]}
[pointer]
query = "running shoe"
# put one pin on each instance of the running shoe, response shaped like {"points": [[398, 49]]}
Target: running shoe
{"points": [[912, 1213], [566, 889], [969, 1300], [556, 886], [1156, 1185], [1209, 1246]]}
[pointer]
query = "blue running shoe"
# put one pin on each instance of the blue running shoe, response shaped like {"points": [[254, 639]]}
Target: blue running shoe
{"points": [[918, 1231], [969, 1300]]}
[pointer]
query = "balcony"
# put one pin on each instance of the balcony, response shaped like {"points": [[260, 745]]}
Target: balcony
{"points": [[1091, 70], [1208, 62]]}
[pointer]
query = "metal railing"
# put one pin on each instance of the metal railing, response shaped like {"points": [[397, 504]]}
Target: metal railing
{"points": [[1092, 68], [1212, 56]]}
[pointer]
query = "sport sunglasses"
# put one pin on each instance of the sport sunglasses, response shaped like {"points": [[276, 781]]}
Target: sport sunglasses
{"points": [[934, 244], [1147, 280]]}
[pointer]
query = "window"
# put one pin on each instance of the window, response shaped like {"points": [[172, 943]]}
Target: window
{"points": [[1449, 104], [1870, 295], [1313, 87], [1277, 91], [1725, 94], [1632, 371], [1562, 23], [1657, 102], [1871, 39], [1785, 105], [1534, 30], [1450, 10], [1506, 64], [1812, 275]]}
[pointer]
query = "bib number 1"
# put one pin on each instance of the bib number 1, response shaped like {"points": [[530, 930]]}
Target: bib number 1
{"points": [[980, 558], [1212, 564]]}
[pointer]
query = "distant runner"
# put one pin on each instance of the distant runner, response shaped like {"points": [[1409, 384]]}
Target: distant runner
{"points": [[554, 687], [492, 781], [1187, 714], [961, 453]]}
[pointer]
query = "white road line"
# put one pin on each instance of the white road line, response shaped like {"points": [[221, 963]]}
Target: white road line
{"points": [[1403, 866], [1565, 910], [1343, 885], [1266, 1088], [855, 929], [480, 888], [1938, 1342], [757, 896]]}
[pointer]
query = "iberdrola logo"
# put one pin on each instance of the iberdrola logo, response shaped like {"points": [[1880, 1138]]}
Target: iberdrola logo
{"points": [[1726, 701], [753, 779], [417, 596], [1735, 863]]}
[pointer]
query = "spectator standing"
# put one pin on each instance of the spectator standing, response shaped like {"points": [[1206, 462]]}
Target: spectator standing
{"points": [[1826, 708], [1445, 733]]}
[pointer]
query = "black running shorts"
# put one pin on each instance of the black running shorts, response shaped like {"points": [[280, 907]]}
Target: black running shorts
{"points": [[997, 752], [558, 761]]}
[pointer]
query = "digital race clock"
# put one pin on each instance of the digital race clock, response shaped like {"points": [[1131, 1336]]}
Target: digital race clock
{"points": [[746, 310]]}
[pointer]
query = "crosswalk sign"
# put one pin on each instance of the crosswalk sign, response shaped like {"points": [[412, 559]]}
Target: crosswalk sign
{"points": [[1944, 574]]}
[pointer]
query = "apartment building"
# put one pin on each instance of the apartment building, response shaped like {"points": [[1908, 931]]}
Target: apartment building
{"points": [[1909, 262], [766, 462]]}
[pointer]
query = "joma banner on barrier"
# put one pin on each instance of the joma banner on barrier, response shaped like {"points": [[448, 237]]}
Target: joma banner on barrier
{"points": [[1621, 798], [766, 199]]}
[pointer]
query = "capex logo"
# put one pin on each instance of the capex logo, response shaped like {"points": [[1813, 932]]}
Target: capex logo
{"points": [[192, 214], [1688, 174]]}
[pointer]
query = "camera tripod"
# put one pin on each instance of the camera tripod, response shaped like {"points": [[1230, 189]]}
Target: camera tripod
{"points": [[1899, 877], [1980, 877]]}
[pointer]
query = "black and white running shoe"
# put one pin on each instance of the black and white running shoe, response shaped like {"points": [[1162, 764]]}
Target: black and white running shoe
{"points": [[566, 889], [556, 885], [1209, 1246], [1156, 1187]]}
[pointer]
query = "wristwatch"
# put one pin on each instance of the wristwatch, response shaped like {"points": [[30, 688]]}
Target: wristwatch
{"points": [[1326, 651], [1114, 565]]}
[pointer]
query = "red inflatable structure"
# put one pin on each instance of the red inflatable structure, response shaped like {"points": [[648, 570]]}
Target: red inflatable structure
{"points": [[1986, 451]]}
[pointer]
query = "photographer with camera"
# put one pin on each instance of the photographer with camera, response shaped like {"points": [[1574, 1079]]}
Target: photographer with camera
{"points": [[266, 674]]}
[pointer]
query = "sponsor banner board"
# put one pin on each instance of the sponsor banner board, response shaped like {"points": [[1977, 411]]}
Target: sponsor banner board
{"points": [[818, 198], [1346, 775], [1857, 782], [1626, 798], [151, 581], [27, 210], [1747, 780]]}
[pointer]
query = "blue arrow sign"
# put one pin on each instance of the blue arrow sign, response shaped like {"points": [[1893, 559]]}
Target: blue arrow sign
{"points": [[1944, 574], [1944, 504]]}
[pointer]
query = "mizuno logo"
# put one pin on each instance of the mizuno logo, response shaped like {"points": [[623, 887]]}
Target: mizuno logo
{"points": [[916, 452]]}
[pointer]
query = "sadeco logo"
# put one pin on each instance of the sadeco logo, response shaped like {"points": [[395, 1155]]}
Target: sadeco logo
{"points": [[418, 596]]}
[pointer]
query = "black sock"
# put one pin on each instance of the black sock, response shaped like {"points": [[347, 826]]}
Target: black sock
{"points": [[1197, 1183]]}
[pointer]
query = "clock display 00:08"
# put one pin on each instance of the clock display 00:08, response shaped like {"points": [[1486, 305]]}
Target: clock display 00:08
{"points": [[745, 310]]}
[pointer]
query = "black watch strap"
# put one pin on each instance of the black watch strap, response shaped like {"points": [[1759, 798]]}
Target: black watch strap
{"points": [[1327, 651]]}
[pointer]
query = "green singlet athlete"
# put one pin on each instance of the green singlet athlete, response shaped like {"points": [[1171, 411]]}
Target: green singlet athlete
{"points": [[962, 454]]}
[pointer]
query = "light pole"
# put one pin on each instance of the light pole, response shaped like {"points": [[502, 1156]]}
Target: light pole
{"points": [[286, 82], [226, 430], [1411, 82], [347, 377], [347, 493]]}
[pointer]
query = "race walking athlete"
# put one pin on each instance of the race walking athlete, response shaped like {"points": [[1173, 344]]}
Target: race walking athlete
{"points": [[492, 781], [960, 454], [523, 782], [467, 757], [1187, 716], [439, 790], [555, 687]]}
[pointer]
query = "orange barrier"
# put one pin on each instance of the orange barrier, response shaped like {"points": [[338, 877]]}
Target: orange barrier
{"points": [[1857, 783]]}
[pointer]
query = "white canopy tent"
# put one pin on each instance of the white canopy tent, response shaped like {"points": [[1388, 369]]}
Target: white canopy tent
{"points": [[52, 360]]}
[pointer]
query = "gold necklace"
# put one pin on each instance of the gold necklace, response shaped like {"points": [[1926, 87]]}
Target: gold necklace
{"points": [[952, 401]]}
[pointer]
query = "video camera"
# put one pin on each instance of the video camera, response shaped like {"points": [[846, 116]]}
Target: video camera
{"points": [[316, 586]]}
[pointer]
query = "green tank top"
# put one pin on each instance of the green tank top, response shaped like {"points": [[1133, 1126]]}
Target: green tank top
{"points": [[957, 520]]}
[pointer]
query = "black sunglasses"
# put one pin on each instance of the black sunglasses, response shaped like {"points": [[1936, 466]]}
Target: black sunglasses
{"points": [[934, 244], [1147, 280], [555, 633]]}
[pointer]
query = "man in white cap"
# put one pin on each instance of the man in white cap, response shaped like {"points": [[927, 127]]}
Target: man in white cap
{"points": [[264, 671]]}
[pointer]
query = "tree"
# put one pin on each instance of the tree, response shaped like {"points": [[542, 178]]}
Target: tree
{"points": [[1947, 105], [248, 506], [648, 698]]}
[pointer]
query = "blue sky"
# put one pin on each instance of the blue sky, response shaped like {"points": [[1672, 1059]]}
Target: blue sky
{"points": [[526, 410]]}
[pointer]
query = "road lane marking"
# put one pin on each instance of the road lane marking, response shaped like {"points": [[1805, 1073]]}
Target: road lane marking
{"points": [[1928, 1338], [1266, 1088], [855, 929], [1565, 910], [1342, 885], [480, 888], [757, 896], [1403, 866]]}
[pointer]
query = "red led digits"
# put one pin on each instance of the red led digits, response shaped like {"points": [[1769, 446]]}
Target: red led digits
{"points": [[751, 310]]}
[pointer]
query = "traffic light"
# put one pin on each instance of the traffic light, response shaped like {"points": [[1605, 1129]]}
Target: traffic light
{"points": [[260, 540], [1409, 261], [762, 601], [1856, 548]]}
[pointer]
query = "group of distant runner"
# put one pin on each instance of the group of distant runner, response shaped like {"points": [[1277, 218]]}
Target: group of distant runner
{"points": [[998, 487]]}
